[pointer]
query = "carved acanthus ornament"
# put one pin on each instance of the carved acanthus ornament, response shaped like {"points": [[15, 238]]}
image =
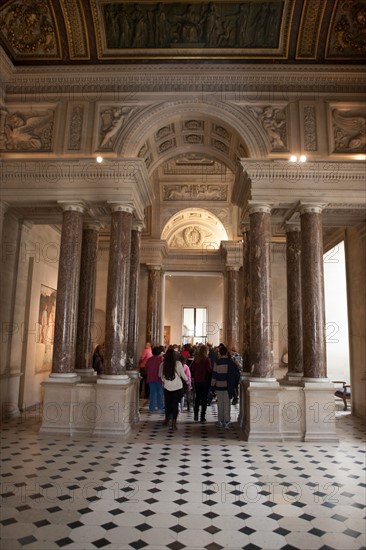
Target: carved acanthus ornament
{"points": [[76, 125], [310, 134]]}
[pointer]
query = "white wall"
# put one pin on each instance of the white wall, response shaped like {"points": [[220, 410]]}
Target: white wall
{"points": [[44, 271], [194, 291], [336, 315]]}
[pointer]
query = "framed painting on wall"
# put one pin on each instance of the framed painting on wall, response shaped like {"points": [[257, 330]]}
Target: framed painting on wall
{"points": [[45, 328]]}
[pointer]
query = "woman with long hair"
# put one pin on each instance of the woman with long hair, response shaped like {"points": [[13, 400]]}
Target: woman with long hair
{"points": [[201, 370], [171, 374]]}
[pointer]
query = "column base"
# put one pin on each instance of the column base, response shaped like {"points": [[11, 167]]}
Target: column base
{"points": [[135, 379], [114, 405]]}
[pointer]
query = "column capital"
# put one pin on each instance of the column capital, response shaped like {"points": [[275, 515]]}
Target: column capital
{"points": [[153, 267], [290, 227], [254, 206], [72, 206], [244, 227], [3, 207], [137, 225], [96, 225], [232, 268], [120, 207], [308, 207]]}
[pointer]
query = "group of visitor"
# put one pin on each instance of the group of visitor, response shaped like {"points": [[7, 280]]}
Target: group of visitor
{"points": [[171, 376], [195, 374]]}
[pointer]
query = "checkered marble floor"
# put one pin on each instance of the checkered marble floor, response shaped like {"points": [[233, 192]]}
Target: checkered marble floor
{"points": [[199, 487]]}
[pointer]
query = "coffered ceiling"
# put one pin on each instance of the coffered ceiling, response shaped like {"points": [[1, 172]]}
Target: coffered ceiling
{"points": [[110, 31]]}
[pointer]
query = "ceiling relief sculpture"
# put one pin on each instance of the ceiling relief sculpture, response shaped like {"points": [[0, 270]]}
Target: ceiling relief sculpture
{"points": [[348, 30], [201, 25], [64, 31], [30, 29], [194, 228]]}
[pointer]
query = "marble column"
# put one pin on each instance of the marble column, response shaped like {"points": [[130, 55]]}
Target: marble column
{"points": [[247, 301], [294, 306], [89, 255], [3, 208], [232, 317], [133, 321], [312, 284], [64, 344], [153, 306], [117, 290], [260, 277]]}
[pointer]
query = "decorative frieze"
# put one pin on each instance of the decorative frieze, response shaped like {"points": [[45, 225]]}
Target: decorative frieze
{"points": [[195, 192], [309, 128], [274, 122], [76, 128], [348, 125], [28, 130]]}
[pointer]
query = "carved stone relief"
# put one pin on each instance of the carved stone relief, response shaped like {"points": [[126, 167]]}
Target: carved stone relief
{"points": [[349, 130], [166, 145], [273, 122], [220, 145], [164, 131], [111, 122], [193, 138], [193, 125], [76, 126], [222, 132], [28, 131], [190, 237], [194, 192]]}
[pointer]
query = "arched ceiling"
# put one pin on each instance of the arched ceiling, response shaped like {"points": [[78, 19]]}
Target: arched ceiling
{"points": [[194, 228], [110, 31]]}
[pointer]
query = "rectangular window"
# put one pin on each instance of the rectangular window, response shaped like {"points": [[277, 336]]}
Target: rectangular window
{"points": [[194, 325]]}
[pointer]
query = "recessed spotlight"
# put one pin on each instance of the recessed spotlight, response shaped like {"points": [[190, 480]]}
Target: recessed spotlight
{"points": [[99, 159], [293, 158], [302, 158]]}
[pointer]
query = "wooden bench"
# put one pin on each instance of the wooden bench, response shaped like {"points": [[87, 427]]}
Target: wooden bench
{"points": [[343, 391]]}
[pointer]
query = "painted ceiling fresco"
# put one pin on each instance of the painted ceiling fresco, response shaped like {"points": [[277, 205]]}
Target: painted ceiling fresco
{"points": [[105, 31]]}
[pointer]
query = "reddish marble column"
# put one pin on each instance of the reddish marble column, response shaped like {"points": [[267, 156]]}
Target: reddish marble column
{"points": [[232, 318], [117, 290], [153, 306], [312, 285], [294, 309], [133, 321], [89, 254], [246, 298], [260, 278], [64, 343]]}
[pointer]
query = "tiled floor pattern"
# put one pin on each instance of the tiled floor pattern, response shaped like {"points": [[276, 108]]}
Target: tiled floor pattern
{"points": [[200, 487]]}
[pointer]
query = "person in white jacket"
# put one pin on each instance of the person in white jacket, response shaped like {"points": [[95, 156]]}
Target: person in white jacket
{"points": [[171, 375]]}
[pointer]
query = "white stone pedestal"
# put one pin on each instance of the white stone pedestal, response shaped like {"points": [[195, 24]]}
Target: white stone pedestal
{"points": [[319, 410], [262, 418], [57, 403], [114, 395], [135, 379]]}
